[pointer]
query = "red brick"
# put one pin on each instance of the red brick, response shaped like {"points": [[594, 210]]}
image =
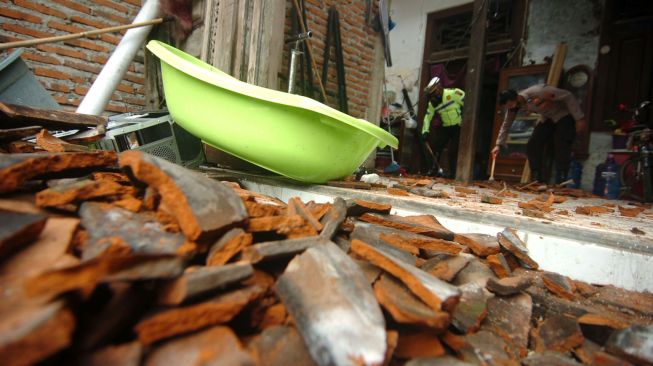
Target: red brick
{"points": [[58, 87], [40, 58], [110, 39], [89, 21], [40, 8], [88, 45], [134, 2], [25, 31], [99, 59], [80, 90], [112, 5], [15, 14], [136, 101], [74, 6], [42, 71], [62, 51], [116, 18], [66, 101], [134, 78], [116, 108], [126, 88], [78, 79], [83, 66], [65, 27]]}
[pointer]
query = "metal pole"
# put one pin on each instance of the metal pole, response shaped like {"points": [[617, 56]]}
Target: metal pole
{"points": [[100, 93]]}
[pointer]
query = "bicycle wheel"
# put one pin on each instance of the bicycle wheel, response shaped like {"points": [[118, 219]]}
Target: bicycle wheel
{"points": [[631, 179]]}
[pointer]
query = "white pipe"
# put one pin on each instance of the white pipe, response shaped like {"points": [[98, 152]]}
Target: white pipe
{"points": [[112, 73]]}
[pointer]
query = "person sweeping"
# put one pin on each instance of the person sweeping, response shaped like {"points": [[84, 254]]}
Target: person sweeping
{"points": [[447, 103]]}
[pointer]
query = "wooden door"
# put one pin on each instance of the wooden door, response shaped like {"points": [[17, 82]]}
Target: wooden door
{"points": [[510, 162]]}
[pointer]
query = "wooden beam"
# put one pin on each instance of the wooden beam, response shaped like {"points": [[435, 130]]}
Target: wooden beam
{"points": [[492, 48], [473, 88]]}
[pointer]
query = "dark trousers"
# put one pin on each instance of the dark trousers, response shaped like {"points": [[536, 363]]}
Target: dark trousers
{"points": [[563, 134], [443, 136]]}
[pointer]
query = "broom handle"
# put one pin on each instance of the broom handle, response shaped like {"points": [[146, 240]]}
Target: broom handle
{"points": [[32, 42], [494, 160]]}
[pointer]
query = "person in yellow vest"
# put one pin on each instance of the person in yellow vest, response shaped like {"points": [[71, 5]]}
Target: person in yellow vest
{"points": [[447, 103]]}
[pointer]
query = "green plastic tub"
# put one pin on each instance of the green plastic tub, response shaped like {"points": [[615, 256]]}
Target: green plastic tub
{"points": [[288, 134]]}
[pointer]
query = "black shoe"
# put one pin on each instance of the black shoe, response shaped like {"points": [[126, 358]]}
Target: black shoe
{"points": [[561, 176]]}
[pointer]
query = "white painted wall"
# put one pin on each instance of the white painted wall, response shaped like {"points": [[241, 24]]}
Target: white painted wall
{"points": [[407, 42]]}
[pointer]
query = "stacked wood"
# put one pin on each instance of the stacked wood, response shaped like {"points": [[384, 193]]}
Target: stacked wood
{"points": [[153, 264]]}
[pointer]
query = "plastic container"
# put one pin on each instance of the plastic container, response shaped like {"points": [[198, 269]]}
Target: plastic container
{"points": [[19, 86], [612, 181], [288, 134]]}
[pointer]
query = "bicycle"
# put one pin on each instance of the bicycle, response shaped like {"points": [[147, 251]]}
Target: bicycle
{"points": [[635, 173]]}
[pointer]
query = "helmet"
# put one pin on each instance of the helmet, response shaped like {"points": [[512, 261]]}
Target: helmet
{"points": [[432, 84]]}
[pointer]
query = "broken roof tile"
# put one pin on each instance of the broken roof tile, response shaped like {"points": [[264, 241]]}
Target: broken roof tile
{"points": [[499, 265], [559, 333], [339, 320], [433, 291], [203, 207], [15, 169], [510, 318], [405, 307], [421, 343], [471, 309], [280, 346], [480, 244], [508, 285], [126, 354], [357, 207], [549, 359], [139, 231], [445, 266], [202, 280], [18, 230], [81, 190], [214, 346], [559, 285], [271, 250], [424, 225], [371, 234], [333, 218], [230, 244], [634, 344], [512, 243], [182, 320]]}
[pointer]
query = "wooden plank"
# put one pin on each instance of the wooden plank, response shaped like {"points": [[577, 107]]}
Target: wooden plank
{"points": [[473, 90], [12, 115], [224, 36]]}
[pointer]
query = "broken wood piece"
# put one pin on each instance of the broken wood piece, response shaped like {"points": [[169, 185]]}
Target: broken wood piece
{"points": [[510, 319], [480, 244], [49, 143], [18, 230], [126, 354], [559, 333], [508, 286], [202, 280], [11, 134], [218, 310], [280, 345], [486, 198], [433, 291], [203, 207], [445, 267], [230, 244], [82, 190], [13, 115], [559, 285], [423, 343], [406, 308], [434, 229], [280, 249], [302, 211], [471, 309], [512, 243], [214, 346], [339, 320], [633, 344], [499, 265], [357, 207], [333, 218], [29, 335], [138, 232], [15, 169]]}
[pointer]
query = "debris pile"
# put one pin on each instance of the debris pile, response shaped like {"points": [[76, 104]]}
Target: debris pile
{"points": [[130, 259]]}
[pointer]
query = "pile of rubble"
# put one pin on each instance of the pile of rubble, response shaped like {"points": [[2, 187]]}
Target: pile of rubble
{"points": [[129, 259]]}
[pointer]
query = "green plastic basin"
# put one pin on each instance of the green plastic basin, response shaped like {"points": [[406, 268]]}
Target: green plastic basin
{"points": [[288, 134]]}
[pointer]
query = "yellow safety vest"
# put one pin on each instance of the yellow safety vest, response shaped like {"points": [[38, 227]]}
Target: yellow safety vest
{"points": [[449, 109]]}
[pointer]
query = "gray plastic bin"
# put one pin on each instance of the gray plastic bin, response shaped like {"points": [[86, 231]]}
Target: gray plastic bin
{"points": [[19, 86]]}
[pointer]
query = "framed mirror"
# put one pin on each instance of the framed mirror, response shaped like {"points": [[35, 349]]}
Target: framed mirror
{"points": [[511, 160]]}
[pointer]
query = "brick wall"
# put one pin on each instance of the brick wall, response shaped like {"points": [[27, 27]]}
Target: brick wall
{"points": [[358, 40], [68, 69]]}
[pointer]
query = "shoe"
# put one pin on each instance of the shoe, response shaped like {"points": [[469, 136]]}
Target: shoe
{"points": [[561, 176]]}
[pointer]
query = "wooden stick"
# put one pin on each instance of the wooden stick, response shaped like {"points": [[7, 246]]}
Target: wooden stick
{"points": [[32, 42], [309, 49], [494, 161]]}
